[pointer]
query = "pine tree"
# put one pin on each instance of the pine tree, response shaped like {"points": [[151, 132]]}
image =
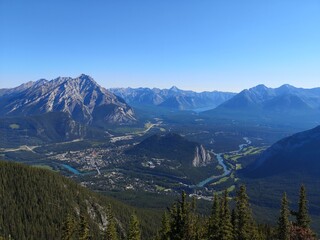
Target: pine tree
{"points": [[226, 228], [84, 228], [165, 228], [111, 231], [233, 222], [134, 228], [283, 222], [68, 228], [214, 220], [245, 228], [182, 220], [303, 219]]}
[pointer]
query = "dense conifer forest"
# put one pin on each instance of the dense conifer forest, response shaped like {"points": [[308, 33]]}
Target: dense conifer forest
{"points": [[39, 204]]}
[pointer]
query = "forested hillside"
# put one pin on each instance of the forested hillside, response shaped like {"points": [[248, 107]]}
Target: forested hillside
{"points": [[37, 204]]}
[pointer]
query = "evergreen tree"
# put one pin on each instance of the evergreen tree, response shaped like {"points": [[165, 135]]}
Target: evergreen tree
{"points": [[214, 220], [283, 222], [245, 228], [68, 228], [303, 219], [165, 228], [182, 220], [134, 228], [225, 228], [111, 231], [233, 222], [84, 228]]}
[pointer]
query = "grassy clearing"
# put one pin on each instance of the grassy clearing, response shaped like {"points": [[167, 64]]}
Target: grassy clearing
{"points": [[238, 166], [231, 188], [128, 130], [159, 188], [221, 180], [219, 167], [14, 126], [43, 167], [247, 151]]}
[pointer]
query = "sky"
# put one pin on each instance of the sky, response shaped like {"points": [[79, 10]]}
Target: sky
{"points": [[226, 45]]}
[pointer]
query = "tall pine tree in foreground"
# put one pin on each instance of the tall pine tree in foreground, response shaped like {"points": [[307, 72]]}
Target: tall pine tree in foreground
{"points": [[111, 231], [226, 228], [181, 220], [214, 220], [164, 232], [283, 222], [245, 227], [134, 228], [303, 219]]}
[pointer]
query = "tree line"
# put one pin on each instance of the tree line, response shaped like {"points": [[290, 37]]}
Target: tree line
{"points": [[182, 222]]}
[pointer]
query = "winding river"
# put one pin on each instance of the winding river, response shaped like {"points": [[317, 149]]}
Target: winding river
{"points": [[220, 159]]}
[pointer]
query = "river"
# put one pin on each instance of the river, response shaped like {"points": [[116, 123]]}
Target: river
{"points": [[71, 169], [220, 159]]}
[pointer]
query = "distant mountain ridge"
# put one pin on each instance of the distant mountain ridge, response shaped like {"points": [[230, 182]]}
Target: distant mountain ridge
{"points": [[285, 105], [173, 98], [81, 97], [284, 98]]}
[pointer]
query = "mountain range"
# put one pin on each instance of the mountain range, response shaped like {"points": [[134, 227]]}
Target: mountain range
{"points": [[81, 97], [285, 98], [172, 98]]}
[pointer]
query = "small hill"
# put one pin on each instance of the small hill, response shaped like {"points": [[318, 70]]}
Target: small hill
{"points": [[175, 147], [175, 156], [36, 202]]}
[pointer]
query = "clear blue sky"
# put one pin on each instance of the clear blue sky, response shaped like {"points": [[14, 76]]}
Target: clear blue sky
{"points": [[199, 45]]}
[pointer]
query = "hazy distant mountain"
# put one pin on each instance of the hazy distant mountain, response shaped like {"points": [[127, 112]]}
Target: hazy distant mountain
{"points": [[172, 98], [284, 98], [299, 153], [81, 97]]}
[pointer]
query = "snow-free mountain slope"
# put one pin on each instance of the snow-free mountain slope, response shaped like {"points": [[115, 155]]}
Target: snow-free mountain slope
{"points": [[173, 98], [81, 97], [299, 153]]}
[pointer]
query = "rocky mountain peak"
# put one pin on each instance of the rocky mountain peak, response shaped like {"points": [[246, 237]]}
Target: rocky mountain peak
{"points": [[202, 157], [81, 97], [174, 89]]}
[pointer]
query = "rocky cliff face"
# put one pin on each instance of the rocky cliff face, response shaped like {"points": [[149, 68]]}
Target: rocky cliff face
{"points": [[81, 97], [202, 157]]}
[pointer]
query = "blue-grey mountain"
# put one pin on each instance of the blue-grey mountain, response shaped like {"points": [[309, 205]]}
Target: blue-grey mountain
{"points": [[172, 98], [299, 153], [285, 98]]}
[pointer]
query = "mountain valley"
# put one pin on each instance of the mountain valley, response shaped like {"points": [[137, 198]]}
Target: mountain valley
{"points": [[134, 146]]}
